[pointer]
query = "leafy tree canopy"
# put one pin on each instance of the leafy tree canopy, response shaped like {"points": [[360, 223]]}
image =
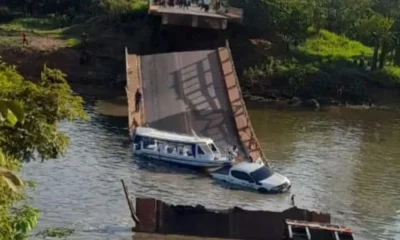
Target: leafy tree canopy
{"points": [[29, 114], [44, 104]]}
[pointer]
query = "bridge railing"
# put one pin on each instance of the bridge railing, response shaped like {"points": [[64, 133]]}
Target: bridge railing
{"points": [[253, 136]]}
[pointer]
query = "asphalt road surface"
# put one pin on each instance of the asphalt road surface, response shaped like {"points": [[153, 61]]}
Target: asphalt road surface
{"points": [[184, 91]]}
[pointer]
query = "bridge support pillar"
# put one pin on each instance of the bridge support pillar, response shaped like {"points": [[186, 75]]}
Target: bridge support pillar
{"points": [[224, 24], [165, 19], [195, 21]]}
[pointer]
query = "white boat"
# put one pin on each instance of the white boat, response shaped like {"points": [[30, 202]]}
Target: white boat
{"points": [[177, 148], [255, 176]]}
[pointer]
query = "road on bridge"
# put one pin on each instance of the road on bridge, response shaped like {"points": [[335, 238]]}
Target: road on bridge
{"points": [[186, 90]]}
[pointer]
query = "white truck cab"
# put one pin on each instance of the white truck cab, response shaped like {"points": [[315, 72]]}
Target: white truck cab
{"points": [[254, 176]]}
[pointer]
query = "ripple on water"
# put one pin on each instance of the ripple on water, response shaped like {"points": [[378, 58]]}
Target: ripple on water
{"points": [[336, 164]]}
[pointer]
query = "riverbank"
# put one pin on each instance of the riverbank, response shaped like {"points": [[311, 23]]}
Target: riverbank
{"points": [[323, 70], [63, 48], [326, 68]]}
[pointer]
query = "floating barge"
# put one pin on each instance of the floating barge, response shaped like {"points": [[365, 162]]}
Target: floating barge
{"points": [[294, 223]]}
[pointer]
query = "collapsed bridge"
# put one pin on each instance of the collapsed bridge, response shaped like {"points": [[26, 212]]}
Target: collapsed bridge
{"points": [[196, 90]]}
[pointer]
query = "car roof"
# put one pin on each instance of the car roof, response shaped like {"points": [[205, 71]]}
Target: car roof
{"points": [[246, 167]]}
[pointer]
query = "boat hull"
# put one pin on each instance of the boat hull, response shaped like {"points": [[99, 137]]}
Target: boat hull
{"points": [[211, 164]]}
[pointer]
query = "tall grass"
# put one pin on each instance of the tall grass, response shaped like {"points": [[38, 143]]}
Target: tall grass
{"points": [[316, 66], [326, 44], [30, 24]]}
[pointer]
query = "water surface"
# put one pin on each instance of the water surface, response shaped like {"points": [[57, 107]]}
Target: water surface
{"points": [[341, 161]]}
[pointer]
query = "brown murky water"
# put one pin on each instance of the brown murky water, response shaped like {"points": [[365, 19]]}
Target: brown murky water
{"points": [[343, 161]]}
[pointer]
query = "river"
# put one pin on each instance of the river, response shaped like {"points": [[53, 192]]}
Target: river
{"points": [[342, 161]]}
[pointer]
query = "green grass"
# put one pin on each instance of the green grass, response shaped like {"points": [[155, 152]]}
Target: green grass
{"points": [[73, 42], [7, 41], [46, 27], [322, 61], [332, 46], [392, 76], [138, 6], [338, 49], [30, 25]]}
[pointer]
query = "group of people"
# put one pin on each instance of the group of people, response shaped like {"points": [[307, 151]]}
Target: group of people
{"points": [[233, 153], [203, 4], [177, 150], [173, 3]]}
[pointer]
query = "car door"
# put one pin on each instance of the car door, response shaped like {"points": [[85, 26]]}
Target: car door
{"points": [[242, 179]]}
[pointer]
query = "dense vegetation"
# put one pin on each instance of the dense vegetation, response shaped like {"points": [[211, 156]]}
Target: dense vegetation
{"points": [[28, 130], [329, 47], [322, 49]]}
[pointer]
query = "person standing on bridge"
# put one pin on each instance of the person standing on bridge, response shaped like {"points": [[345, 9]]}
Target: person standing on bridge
{"points": [[206, 5], [138, 99]]}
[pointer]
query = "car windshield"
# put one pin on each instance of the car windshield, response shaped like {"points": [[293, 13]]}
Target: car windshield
{"points": [[261, 173]]}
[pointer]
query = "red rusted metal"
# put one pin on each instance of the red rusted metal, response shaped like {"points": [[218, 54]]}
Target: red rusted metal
{"points": [[158, 217], [146, 210], [321, 226]]}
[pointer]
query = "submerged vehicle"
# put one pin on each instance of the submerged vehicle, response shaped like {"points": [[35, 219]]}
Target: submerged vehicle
{"points": [[253, 176], [177, 148]]}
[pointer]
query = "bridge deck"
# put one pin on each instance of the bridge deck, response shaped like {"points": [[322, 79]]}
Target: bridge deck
{"points": [[195, 17], [192, 10], [184, 91]]}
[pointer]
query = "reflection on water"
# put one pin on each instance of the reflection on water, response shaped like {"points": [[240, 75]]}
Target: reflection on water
{"points": [[340, 161]]}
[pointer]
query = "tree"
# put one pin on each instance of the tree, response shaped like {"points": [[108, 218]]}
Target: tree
{"points": [[46, 103], [292, 20], [30, 112], [14, 226], [10, 113]]}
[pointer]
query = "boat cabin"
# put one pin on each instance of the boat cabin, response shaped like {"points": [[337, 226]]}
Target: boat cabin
{"points": [[150, 140]]}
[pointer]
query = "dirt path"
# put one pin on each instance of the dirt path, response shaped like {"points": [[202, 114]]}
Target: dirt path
{"points": [[56, 53], [45, 43], [36, 43]]}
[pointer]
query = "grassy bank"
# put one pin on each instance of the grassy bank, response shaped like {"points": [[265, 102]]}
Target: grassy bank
{"points": [[47, 27], [327, 67], [58, 42]]}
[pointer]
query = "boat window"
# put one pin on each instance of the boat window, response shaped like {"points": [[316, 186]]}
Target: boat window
{"points": [[203, 149], [137, 146], [137, 139], [149, 143], [242, 176], [193, 147], [185, 150], [171, 149], [199, 150], [261, 173], [213, 147]]}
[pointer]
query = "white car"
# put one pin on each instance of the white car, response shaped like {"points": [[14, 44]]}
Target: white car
{"points": [[254, 176]]}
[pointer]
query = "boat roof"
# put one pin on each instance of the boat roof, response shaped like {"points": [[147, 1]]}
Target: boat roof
{"points": [[246, 167], [169, 136]]}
